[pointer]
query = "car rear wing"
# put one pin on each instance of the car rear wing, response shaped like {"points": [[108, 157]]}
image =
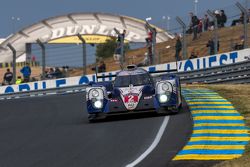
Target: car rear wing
{"points": [[105, 76], [163, 71]]}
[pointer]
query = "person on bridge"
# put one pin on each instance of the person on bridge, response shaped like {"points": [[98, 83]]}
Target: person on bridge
{"points": [[8, 76], [26, 71], [119, 50]]}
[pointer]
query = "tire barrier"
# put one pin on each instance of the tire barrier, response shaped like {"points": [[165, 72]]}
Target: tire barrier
{"points": [[219, 131]]}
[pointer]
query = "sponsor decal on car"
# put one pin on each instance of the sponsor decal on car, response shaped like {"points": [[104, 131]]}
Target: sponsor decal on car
{"points": [[131, 96]]}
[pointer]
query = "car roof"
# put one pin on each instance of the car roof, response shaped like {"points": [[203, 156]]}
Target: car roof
{"points": [[135, 71]]}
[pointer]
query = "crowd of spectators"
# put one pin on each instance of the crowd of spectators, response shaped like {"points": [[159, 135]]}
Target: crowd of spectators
{"points": [[55, 73], [199, 25], [25, 71], [51, 73]]}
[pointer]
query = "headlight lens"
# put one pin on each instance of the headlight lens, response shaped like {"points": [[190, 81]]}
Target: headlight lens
{"points": [[98, 104], [95, 93], [165, 87], [163, 98]]}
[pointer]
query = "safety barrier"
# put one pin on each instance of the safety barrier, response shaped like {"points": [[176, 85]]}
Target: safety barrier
{"points": [[44, 92], [233, 73]]}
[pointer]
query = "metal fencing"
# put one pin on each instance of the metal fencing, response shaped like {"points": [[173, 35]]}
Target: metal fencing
{"points": [[228, 39]]}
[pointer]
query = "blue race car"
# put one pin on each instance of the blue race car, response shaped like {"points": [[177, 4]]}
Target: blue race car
{"points": [[134, 90]]}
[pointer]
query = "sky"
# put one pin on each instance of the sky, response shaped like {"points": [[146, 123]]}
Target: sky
{"points": [[17, 14]]}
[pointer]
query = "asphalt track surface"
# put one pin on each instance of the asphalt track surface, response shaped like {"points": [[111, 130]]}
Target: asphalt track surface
{"points": [[53, 131]]}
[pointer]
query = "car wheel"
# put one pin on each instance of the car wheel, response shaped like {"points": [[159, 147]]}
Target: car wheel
{"points": [[96, 117]]}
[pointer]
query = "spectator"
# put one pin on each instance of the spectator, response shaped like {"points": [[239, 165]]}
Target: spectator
{"points": [[150, 35], [19, 80], [223, 18], [63, 72], [121, 36], [206, 22], [218, 17], [178, 47], [50, 73], [33, 58], [149, 51], [197, 54], [67, 71], [102, 67], [144, 62], [194, 25], [240, 20], [193, 55], [199, 31], [8, 76], [58, 73], [118, 51], [239, 46], [210, 45], [26, 71]]}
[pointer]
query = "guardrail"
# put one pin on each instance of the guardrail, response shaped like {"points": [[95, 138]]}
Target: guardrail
{"points": [[44, 92], [233, 73]]}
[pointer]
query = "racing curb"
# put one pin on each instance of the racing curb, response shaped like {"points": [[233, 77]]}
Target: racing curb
{"points": [[219, 131]]}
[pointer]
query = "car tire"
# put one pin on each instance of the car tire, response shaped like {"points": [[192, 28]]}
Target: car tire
{"points": [[96, 117]]}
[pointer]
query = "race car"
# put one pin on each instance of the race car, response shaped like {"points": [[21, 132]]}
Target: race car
{"points": [[134, 90]]}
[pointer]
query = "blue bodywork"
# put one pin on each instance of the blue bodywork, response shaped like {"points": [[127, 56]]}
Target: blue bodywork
{"points": [[113, 101]]}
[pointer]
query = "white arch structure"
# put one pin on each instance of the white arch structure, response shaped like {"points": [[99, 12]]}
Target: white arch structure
{"points": [[86, 24]]}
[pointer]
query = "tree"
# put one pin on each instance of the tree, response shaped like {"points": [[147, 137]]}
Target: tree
{"points": [[108, 49]]}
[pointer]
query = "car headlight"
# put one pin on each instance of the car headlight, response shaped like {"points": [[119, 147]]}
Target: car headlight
{"points": [[95, 93], [163, 98], [98, 104], [165, 87]]}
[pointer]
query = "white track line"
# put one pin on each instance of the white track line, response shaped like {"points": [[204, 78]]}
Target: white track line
{"points": [[153, 145]]}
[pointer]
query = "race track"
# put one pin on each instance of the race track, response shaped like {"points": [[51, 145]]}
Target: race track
{"points": [[53, 131]]}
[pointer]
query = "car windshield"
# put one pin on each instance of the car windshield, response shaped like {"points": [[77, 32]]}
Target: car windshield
{"points": [[135, 80]]}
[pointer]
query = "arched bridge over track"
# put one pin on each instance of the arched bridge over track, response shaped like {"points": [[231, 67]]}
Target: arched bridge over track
{"points": [[94, 27]]}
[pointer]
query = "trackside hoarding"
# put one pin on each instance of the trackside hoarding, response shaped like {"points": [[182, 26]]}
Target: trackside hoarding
{"points": [[185, 65]]}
